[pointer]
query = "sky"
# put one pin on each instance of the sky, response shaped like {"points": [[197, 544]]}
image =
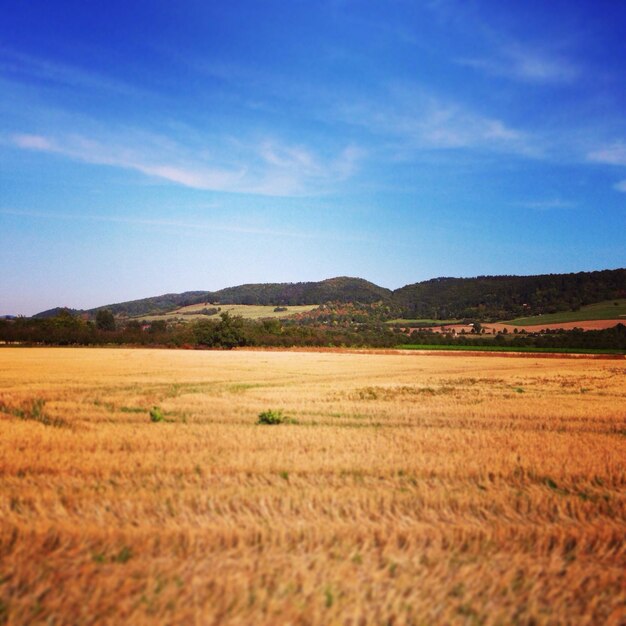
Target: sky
{"points": [[149, 147]]}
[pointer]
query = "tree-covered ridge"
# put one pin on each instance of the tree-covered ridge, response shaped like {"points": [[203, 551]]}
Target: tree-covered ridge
{"points": [[340, 289], [482, 298], [506, 297], [143, 306]]}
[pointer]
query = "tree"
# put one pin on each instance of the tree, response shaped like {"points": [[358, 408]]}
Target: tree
{"points": [[157, 326], [105, 320], [229, 332], [204, 332]]}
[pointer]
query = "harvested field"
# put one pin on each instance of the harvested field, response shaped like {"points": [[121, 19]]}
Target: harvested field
{"points": [[584, 324], [534, 328], [408, 488]]}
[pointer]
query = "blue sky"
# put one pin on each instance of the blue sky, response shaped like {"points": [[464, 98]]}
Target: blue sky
{"points": [[150, 147]]}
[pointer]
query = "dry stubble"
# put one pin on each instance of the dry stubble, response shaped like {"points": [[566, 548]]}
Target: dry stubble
{"points": [[414, 489]]}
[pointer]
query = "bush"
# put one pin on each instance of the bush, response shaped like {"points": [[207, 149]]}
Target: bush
{"points": [[273, 417], [156, 415]]}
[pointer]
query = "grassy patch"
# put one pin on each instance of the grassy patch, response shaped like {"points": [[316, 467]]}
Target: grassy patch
{"points": [[390, 393], [271, 418], [247, 311], [607, 310], [34, 410], [156, 414], [132, 409]]}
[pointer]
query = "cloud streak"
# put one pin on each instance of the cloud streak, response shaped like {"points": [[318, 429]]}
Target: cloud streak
{"points": [[419, 121], [518, 63], [272, 168], [18, 64], [545, 205], [191, 227], [615, 154]]}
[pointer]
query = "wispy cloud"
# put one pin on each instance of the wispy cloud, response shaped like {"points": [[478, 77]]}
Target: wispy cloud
{"points": [[421, 121], [521, 63], [271, 168], [546, 205], [33, 142], [615, 154], [396, 110], [191, 227], [542, 61], [22, 66]]}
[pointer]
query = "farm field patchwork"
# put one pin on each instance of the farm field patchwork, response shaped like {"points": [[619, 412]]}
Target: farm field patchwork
{"points": [[591, 317], [406, 488], [247, 311]]}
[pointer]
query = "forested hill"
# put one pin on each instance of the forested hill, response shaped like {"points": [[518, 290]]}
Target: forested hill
{"points": [[505, 297], [340, 289], [145, 306], [484, 297]]}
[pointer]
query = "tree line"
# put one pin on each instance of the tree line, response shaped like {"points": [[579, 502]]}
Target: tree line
{"points": [[233, 331]]}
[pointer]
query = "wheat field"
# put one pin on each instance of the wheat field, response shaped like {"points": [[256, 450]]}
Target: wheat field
{"points": [[407, 488]]}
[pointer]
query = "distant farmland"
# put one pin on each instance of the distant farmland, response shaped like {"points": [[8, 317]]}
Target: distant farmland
{"points": [[611, 310], [247, 311], [138, 488]]}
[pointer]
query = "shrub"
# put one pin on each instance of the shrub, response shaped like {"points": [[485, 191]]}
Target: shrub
{"points": [[273, 417], [156, 415]]}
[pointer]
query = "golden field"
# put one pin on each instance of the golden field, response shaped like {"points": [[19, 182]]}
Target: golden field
{"points": [[413, 489]]}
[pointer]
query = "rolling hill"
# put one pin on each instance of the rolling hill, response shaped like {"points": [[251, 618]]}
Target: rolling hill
{"points": [[506, 297], [481, 298]]}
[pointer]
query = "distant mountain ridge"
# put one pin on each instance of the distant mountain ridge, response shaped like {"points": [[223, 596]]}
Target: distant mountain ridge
{"points": [[483, 297]]}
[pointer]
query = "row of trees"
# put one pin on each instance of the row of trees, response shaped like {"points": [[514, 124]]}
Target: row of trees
{"points": [[227, 332], [233, 331], [607, 339]]}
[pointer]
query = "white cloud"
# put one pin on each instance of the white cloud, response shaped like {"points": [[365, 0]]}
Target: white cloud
{"points": [[33, 142], [614, 154], [451, 126], [202, 178], [271, 169], [290, 158], [420, 121], [611, 155], [516, 62], [544, 205]]}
